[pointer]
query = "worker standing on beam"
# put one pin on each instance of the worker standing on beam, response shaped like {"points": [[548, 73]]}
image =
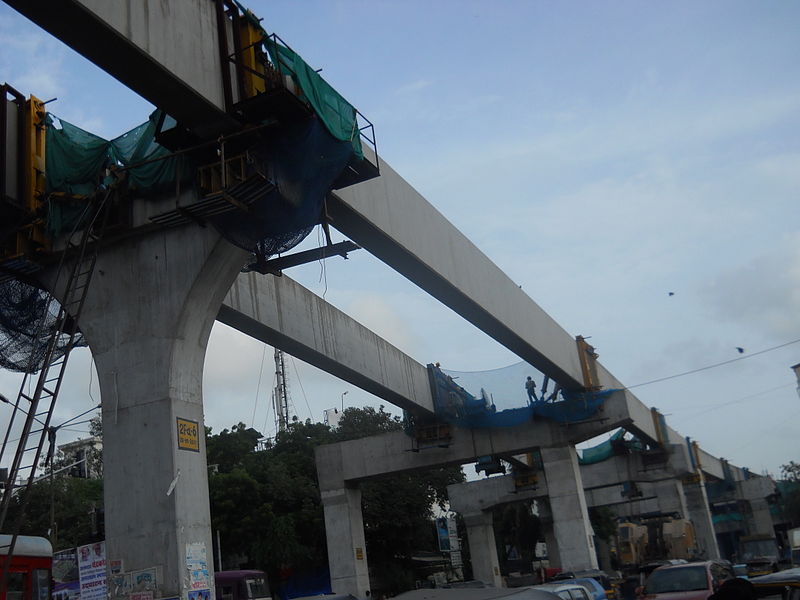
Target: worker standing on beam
{"points": [[530, 387]]}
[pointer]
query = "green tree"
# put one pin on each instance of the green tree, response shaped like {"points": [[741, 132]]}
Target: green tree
{"points": [[604, 522], [266, 504], [516, 528], [74, 502], [789, 485]]}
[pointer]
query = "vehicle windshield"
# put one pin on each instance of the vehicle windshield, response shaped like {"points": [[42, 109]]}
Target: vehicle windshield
{"points": [[685, 579], [257, 588], [756, 548]]}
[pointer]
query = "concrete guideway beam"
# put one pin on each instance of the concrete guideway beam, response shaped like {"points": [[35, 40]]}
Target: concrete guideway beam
{"points": [[281, 312], [390, 219], [136, 43], [147, 318]]}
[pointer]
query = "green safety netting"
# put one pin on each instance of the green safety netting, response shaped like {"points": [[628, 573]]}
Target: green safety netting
{"points": [[336, 113], [600, 452], [77, 164]]}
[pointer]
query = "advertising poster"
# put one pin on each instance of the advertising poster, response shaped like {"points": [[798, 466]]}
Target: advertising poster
{"points": [[66, 585], [144, 580], [120, 584], [197, 564], [443, 533], [200, 595], [92, 571]]}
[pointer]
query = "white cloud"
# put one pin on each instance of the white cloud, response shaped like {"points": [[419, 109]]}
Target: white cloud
{"points": [[763, 293], [414, 86]]}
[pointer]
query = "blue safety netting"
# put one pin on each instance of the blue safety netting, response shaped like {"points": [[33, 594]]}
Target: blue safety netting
{"points": [[460, 398]]}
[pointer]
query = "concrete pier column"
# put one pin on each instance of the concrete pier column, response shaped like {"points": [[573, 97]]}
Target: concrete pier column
{"points": [[761, 518], [671, 497], [568, 507], [347, 551], [482, 548], [148, 315], [700, 515], [550, 540]]}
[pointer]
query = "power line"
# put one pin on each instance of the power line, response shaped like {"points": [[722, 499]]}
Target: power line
{"points": [[726, 362], [258, 387], [742, 399], [297, 374]]}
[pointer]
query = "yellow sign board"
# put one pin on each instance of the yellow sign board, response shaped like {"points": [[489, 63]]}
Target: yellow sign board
{"points": [[359, 554], [188, 435]]}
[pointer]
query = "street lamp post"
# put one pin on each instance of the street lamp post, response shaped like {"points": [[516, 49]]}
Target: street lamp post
{"points": [[343, 395]]}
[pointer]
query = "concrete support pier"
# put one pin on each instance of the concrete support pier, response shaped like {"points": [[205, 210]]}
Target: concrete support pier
{"points": [[347, 550], [482, 548], [700, 515], [571, 525], [147, 319]]}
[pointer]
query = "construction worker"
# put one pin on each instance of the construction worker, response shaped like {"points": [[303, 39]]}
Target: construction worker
{"points": [[530, 387]]}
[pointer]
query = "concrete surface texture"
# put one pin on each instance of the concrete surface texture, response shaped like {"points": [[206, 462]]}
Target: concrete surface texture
{"points": [[147, 319], [281, 312], [568, 509], [697, 505], [347, 549], [483, 549]]}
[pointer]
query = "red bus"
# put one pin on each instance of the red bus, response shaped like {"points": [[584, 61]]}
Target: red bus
{"points": [[30, 570]]}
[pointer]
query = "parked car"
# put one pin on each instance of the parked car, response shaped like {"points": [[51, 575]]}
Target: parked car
{"points": [[524, 593], [595, 589], [600, 576], [783, 585], [690, 581], [741, 570], [566, 590]]}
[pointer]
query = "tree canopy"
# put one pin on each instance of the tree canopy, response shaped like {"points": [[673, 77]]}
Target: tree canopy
{"points": [[265, 500]]}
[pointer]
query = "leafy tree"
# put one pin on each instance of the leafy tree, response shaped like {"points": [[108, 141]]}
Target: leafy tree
{"points": [[604, 522], [516, 527], [790, 471], [267, 507], [74, 502], [790, 487], [229, 449]]}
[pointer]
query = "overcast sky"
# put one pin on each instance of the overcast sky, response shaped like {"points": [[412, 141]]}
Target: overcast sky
{"points": [[603, 154]]}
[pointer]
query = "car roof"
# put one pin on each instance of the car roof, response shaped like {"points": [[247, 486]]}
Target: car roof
{"points": [[557, 587], [523, 593], [705, 563], [588, 580], [790, 577]]}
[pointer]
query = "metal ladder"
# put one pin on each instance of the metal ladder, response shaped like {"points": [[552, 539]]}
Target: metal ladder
{"points": [[38, 407]]}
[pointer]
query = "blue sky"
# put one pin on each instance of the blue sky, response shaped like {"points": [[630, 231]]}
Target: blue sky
{"points": [[603, 154]]}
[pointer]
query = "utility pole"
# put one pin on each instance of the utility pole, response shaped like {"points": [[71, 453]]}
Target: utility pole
{"points": [[280, 395]]}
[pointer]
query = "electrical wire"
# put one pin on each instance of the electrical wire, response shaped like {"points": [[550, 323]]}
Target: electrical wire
{"points": [[91, 375], [266, 414], [297, 374], [323, 271], [725, 362], [748, 397], [258, 387]]}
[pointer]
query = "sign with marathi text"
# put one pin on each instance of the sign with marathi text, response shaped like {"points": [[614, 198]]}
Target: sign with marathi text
{"points": [[188, 435], [92, 571]]}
